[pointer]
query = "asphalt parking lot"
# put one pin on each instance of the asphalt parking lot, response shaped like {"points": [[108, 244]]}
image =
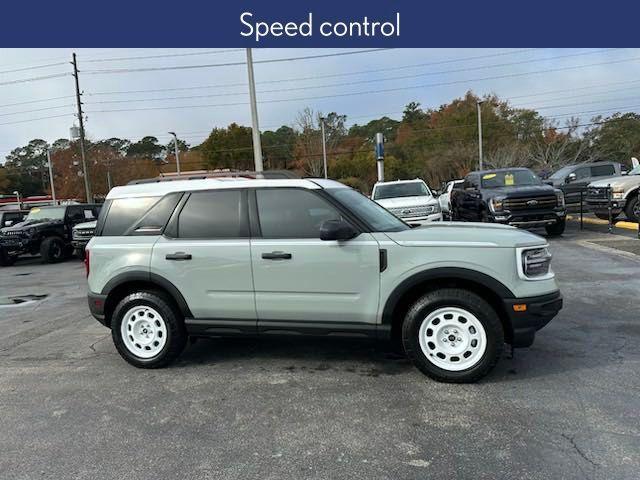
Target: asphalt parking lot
{"points": [[569, 407]]}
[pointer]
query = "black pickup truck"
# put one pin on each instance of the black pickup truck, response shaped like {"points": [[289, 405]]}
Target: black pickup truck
{"points": [[45, 230], [513, 196]]}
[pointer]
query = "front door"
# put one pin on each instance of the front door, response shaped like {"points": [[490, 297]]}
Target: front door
{"points": [[300, 278], [206, 256]]}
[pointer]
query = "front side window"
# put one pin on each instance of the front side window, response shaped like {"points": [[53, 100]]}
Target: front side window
{"points": [[509, 178], [395, 190], [583, 172], [124, 212], [213, 214], [292, 213], [377, 217]]}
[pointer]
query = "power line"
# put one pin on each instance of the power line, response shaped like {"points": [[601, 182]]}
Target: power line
{"points": [[168, 55], [231, 64], [361, 72], [35, 110], [42, 100], [36, 119], [36, 67], [34, 79]]}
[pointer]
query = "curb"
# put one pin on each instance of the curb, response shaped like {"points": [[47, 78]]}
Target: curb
{"points": [[597, 221]]}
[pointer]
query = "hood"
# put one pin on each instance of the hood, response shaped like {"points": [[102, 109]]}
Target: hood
{"points": [[86, 225], [466, 234], [622, 181], [31, 224], [399, 202], [524, 191]]}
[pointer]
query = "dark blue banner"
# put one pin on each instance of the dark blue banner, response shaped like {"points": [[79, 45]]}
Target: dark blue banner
{"points": [[326, 23]]}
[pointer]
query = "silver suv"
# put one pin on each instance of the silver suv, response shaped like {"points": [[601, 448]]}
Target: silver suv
{"points": [[220, 257]]}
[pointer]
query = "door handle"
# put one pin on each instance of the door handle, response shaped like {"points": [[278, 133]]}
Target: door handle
{"points": [[178, 256], [276, 256]]}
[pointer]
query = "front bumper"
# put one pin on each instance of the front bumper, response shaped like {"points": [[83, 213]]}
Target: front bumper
{"points": [[602, 205], [539, 311], [15, 245], [96, 306], [78, 244], [530, 219], [434, 217]]}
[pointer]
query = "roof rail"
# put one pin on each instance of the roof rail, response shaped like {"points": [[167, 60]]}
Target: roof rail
{"points": [[200, 175]]}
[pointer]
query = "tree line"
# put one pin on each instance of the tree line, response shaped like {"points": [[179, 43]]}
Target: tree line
{"points": [[435, 144]]}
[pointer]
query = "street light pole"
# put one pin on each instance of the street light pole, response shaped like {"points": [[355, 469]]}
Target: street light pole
{"points": [[324, 147], [175, 144], [255, 128], [478, 104], [53, 188]]}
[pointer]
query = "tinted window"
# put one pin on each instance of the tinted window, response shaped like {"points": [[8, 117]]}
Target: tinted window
{"points": [[216, 214], [509, 178], [395, 190], [603, 171], [292, 213], [158, 216], [582, 172], [124, 212]]}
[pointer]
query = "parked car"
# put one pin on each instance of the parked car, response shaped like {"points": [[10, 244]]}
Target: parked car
{"points": [[410, 200], [513, 196], [624, 196], [45, 230], [262, 257], [80, 236], [445, 197], [573, 179], [11, 217]]}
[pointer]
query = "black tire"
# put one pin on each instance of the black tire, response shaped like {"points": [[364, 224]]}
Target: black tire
{"points": [[175, 328], [6, 260], [631, 210], [605, 216], [556, 229], [52, 250], [457, 298]]}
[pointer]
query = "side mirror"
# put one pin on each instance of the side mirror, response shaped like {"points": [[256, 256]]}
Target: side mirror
{"points": [[8, 223], [549, 182], [570, 178], [337, 230]]}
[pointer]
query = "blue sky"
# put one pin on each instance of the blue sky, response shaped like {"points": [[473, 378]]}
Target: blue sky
{"points": [[558, 82]]}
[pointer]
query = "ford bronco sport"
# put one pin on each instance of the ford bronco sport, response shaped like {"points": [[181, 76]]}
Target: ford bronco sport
{"points": [[221, 257]]}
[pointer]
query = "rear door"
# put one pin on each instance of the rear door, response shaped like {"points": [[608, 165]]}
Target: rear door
{"points": [[300, 278], [205, 254]]}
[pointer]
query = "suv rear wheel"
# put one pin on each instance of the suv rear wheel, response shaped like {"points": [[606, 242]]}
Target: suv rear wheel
{"points": [[147, 330], [52, 250], [453, 335], [631, 208]]}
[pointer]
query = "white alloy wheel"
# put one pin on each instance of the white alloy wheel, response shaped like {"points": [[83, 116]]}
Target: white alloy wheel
{"points": [[143, 331], [452, 338]]}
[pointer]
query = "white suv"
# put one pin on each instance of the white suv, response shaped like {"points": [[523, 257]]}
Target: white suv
{"points": [[410, 200], [222, 257]]}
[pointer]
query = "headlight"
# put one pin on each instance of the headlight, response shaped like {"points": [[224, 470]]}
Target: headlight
{"points": [[496, 204], [536, 262], [560, 199], [435, 208], [30, 231]]}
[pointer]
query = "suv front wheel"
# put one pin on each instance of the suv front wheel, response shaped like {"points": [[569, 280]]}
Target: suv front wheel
{"points": [[147, 330], [453, 335]]}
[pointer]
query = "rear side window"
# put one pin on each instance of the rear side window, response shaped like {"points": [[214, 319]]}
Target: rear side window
{"points": [[213, 214], [603, 170], [123, 213]]}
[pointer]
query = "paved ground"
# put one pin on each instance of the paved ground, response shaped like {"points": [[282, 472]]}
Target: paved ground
{"points": [[569, 407]]}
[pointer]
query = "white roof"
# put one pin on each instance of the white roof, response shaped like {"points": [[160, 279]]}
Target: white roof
{"points": [[415, 180], [162, 188]]}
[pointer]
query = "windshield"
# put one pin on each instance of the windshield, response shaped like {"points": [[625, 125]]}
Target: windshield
{"points": [[510, 178], [394, 190], [377, 217], [562, 173], [635, 171], [55, 213]]}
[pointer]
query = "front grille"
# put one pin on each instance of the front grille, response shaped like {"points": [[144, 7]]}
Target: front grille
{"points": [[530, 203], [83, 233], [598, 193], [12, 233], [408, 212]]}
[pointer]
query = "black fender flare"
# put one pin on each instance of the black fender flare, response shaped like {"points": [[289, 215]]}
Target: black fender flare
{"points": [[441, 272], [149, 277]]}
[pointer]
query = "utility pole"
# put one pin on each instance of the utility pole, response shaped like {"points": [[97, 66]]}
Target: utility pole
{"points": [[53, 188], [85, 171], [255, 128], [175, 145], [324, 147], [479, 104], [109, 182]]}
